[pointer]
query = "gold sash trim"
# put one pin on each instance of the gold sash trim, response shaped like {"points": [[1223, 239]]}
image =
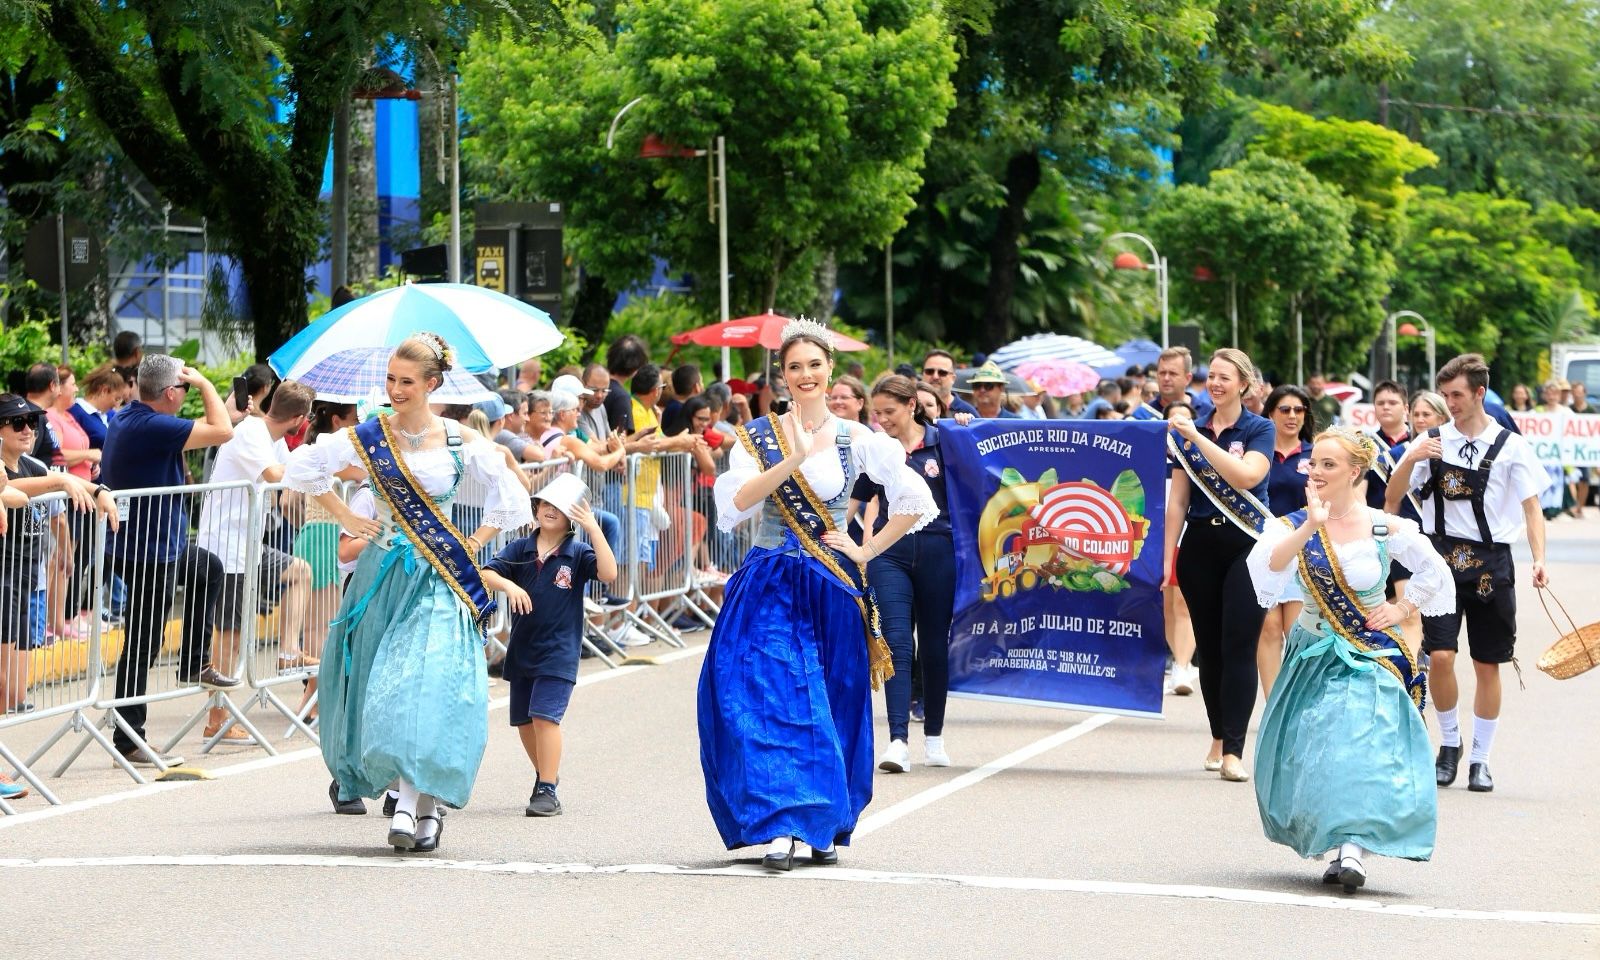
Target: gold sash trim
{"points": [[879, 661]]}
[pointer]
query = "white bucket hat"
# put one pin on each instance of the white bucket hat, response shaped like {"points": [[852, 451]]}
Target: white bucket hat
{"points": [[563, 493]]}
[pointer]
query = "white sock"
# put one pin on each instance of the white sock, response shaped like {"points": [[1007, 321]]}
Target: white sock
{"points": [[1350, 850], [1449, 727], [426, 807], [781, 846], [1482, 738], [407, 803]]}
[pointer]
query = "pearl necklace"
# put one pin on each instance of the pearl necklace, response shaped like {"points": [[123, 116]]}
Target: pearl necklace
{"points": [[416, 440], [1342, 515]]}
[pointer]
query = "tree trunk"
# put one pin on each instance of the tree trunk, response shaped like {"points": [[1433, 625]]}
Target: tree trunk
{"points": [[363, 263], [827, 284], [591, 311], [1023, 172], [275, 289], [433, 129]]}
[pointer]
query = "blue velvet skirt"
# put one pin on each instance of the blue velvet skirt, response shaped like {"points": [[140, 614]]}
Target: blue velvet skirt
{"points": [[1343, 755], [785, 706], [403, 692]]}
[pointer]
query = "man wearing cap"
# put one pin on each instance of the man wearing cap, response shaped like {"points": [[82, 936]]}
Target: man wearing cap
{"points": [[988, 387], [939, 369]]}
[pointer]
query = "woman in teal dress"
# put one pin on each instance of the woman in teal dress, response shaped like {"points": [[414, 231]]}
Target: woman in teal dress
{"points": [[403, 696], [1343, 760]]}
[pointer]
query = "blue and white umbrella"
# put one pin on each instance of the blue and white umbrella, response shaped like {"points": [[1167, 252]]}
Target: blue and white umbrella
{"points": [[1141, 352], [487, 330], [357, 375], [1059, 346]]}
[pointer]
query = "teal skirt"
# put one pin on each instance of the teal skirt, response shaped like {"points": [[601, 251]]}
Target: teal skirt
{"points": [[1343, 756], [403, 693]]}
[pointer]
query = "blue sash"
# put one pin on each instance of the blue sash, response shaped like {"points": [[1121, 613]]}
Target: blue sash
{"points": [[1341, 609], [808, 518], [429, 530], [1240, 506]]}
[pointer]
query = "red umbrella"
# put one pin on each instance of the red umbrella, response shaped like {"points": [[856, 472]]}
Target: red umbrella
{"points": [[764, 330]]}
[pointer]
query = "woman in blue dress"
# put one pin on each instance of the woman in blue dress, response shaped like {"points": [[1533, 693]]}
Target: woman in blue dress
{"points": [[403, 692], [785, 699], [1343, 760]]}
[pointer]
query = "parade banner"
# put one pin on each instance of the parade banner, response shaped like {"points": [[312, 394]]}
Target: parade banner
{"points": [[1058, 532], [1562, 438]]}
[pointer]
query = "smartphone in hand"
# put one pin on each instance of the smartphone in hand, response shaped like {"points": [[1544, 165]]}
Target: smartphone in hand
{"points": [[241, 393]]}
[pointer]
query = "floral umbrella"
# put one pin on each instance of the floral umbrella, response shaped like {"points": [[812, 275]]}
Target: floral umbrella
{"points": [[1060, 378]]}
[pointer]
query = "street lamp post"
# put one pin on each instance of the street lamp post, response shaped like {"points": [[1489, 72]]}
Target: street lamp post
{"points": [[1390, 334], [1410, 330], [1131, 261], [720, 149]]}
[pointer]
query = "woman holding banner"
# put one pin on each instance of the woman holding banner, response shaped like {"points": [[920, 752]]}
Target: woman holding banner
{"points": [[913, 580], [1225, 455], [785, 706], [403, 694], [1344, 761]]}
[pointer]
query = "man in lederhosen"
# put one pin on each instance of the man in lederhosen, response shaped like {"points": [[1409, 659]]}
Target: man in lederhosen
{"points": [[1479, 486]]}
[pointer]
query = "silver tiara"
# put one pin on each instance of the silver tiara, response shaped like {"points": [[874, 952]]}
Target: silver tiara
{"points": [[804, 326], [434, 342]]}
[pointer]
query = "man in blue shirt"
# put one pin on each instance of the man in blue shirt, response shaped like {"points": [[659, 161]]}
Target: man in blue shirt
{"points": [[151, 553], [939, 369], [1174, 369]]}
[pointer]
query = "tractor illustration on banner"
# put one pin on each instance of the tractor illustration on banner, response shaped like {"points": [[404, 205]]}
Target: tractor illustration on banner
{"points": [[1075, 536]]}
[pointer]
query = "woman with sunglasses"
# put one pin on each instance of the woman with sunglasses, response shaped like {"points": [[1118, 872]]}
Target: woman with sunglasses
{"points": [[1289, 409], [1226, 453]]}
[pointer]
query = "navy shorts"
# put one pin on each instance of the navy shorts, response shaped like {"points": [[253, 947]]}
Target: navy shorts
{"points": [[545, 698]]}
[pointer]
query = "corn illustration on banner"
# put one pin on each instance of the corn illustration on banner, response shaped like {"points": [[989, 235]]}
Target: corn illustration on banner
{"points": [[1058, 531]]}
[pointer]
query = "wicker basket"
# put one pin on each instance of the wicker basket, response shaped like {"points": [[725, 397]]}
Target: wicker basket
{"points": [[1578, 650]]}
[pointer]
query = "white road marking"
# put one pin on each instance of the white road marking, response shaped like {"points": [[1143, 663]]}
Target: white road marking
{"points": [[1276, 898], [264, 763], [915, 802]]}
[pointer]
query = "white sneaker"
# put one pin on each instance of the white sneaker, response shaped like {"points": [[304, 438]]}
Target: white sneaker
{"points": [[897, 758], [633, 637], [933, 752], [1184, 680]]}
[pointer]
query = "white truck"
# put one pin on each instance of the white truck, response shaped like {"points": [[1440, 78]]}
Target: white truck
{"points": [[1574, 362]]}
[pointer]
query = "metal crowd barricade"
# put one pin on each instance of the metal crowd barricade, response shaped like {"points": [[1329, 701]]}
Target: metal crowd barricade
{"points": [[165, 638], [43, 679], [658, 534]]}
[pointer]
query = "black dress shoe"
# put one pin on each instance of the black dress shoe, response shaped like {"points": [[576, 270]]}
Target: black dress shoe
{"points": [[1444, 768], [1478, 779], [825, 858], [780, 861], [389, 800], [430, 843], [353, 808], [1331, 875]]}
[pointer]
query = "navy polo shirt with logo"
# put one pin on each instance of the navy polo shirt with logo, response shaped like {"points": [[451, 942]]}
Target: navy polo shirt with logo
{"points": [[145, 449], [1286, 479], [1251, 432], [547, 641], [927, 463]]}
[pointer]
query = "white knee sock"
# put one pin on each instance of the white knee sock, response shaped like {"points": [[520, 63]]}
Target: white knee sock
{"points": [[1449, 727], [1350, 850], [1482, 738], [426, 807], [407, 803]]}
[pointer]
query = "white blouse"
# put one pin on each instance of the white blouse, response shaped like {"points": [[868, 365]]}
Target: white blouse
{"points": [[506, 504], [878, 455], [1431, 588]]}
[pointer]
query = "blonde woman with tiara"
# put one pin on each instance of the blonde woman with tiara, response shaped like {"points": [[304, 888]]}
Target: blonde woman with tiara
{"points": [[403, 693], [1343, 759]]}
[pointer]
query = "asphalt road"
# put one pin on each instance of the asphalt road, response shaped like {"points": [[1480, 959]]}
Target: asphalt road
{"points": [[1055, 834]]}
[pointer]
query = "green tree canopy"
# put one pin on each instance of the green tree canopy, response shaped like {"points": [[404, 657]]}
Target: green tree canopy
{"points": [[1479, 269], [1267, 228], [827, 107]]}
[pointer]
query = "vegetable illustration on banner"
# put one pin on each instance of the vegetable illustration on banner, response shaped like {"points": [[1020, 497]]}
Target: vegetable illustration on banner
{"points": [[1058, 583], [1074, 536]]}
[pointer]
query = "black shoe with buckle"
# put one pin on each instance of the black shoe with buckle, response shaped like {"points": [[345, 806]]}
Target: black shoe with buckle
{"points": [[1478, 779], [825, 858], [428, 840], [780, 861], [389, 800], [1444, 768], [350, 808]]}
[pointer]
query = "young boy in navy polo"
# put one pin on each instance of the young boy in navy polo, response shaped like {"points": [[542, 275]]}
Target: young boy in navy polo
{"points": [[543, 577]]}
